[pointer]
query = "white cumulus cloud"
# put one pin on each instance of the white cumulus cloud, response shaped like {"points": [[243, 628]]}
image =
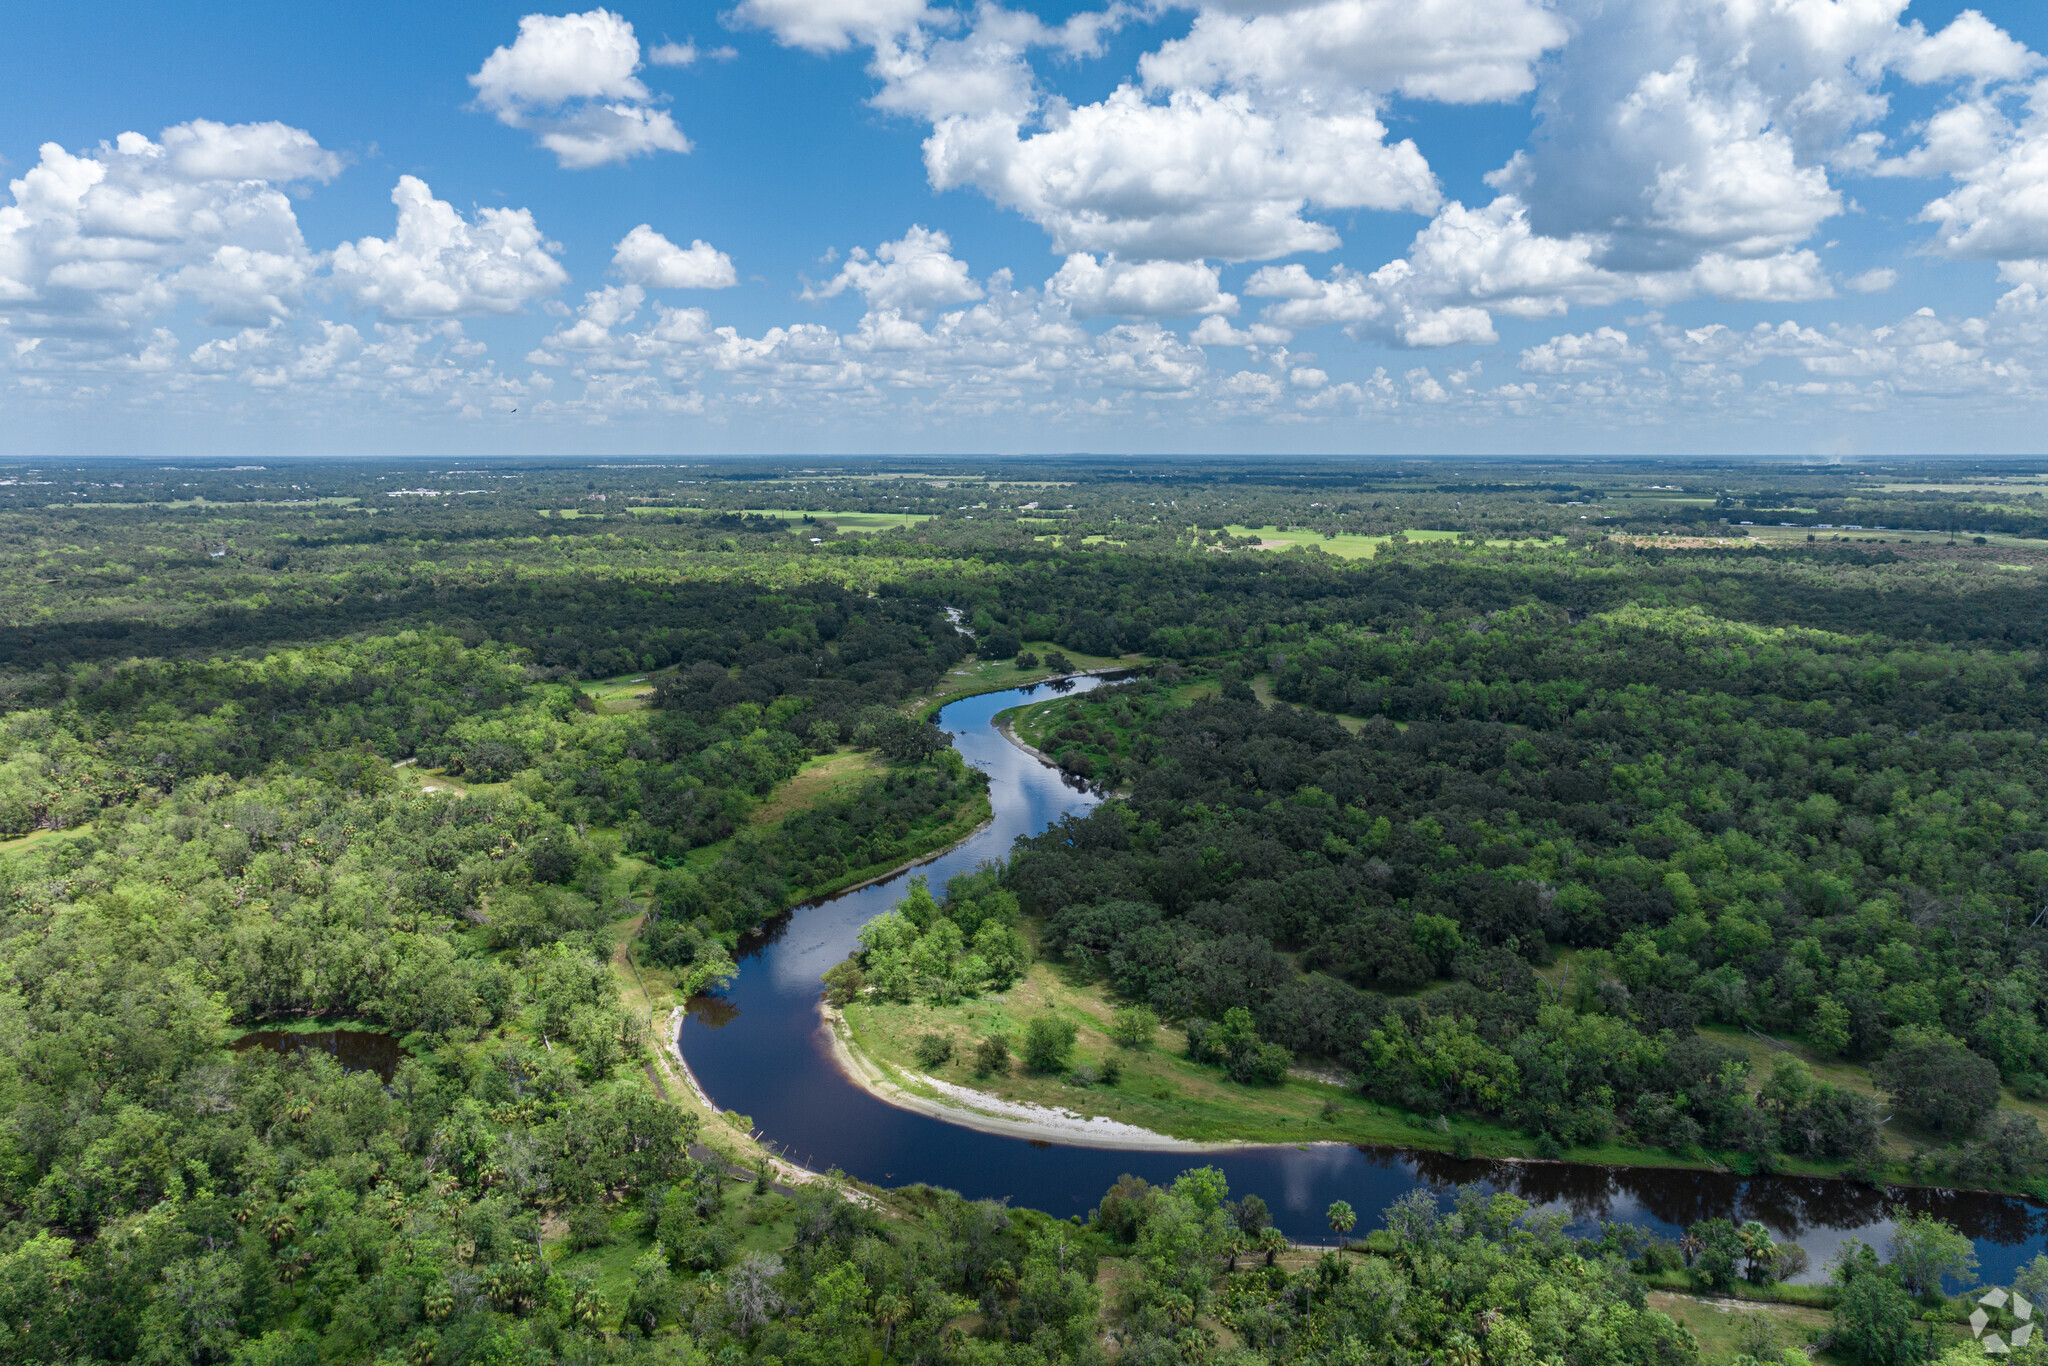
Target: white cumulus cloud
{"points": [[647, 258], [832, 25], [913, 275], [1460, 51], [1583, 352], [571, 80], [99, 242], [1138, 289], [440, 265]]}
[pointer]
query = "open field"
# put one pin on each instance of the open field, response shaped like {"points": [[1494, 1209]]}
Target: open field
{"points": [[1350, 547]]}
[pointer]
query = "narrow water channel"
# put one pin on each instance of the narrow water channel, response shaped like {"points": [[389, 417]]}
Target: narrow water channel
{"points": [[758, 1048]]}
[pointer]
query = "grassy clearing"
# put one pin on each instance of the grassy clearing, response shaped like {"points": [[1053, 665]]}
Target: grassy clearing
{"points": [[1718, 1323], [438, 780], [616, 696], [1160, 1089], [1351, 547], [35, 837], [1779, 536], [819, 780], [863, 523]]}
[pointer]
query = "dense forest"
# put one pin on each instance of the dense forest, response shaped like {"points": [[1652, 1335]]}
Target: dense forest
{"points": [[1511, 794]]}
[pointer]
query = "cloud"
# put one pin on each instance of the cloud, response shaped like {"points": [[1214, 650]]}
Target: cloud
{"points": [[1677, 136], [1214, 331], [832, 25], [647, 258], [1468, 264], [687, 53], [1970, 48], [1874, 281], [100, 242], [1144, 289], [1582, 353], [1199, 176], [203, 150], [570, 79], [439, 265], [1458, 51], [913, 275]]}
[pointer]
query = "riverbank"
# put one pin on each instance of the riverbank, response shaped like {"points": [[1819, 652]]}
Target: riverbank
{"points": [[928, 1095]]}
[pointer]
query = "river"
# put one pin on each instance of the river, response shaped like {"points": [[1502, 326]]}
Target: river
{"points": [[758, 1048]]}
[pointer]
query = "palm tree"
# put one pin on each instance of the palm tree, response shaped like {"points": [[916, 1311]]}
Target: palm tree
{"points": [[889, 1311], [1272, 1242], [1342, 1219]]}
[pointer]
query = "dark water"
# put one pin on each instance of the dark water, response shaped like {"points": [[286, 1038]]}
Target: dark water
{"points": [[357, 1050], [759, 1049]]}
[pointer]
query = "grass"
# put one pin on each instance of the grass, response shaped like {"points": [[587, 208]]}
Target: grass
{"points": [[1353, 547], [35, 837], [1717, 1323], [437, 780], [818, 781], [616, 696], [1160, 1089]]}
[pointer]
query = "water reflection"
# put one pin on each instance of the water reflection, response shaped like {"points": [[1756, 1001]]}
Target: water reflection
{"points": [[776, 1066], [713, 1012], [357, 1050]]}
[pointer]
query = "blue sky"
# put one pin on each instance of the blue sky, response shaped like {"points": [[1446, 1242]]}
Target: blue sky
{"points": [[1806, 226]]}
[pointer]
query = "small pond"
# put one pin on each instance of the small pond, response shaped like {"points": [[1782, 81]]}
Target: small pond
{"points": [[357, 1050]]}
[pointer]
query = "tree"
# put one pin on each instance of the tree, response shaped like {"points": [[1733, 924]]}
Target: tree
{"points": [[1924, 1251], [1048, 1044], [1937, 1080], [1873, 1315], [1134, 1026], [1720, 1248], [1759, 1253], [1342, 1219]]}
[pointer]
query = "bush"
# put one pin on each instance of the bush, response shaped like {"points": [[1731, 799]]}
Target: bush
{"points": [[991, 1055], [1048, 1042], [1111, 1070], [1027, 660], [999, 644], [933, 1050], [589, 1226], [1134, 1026]]}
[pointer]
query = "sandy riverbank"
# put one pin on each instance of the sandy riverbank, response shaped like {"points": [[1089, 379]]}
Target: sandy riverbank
{"points": [[991, 1114]]}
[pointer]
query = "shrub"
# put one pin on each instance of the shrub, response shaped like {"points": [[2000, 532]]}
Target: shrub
{"points": [[991, 1055], [1048, 1042], [589, 1226], [933, 1050]]}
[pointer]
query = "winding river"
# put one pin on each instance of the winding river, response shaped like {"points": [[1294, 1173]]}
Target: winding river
{"points": [[759, 1049]]}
